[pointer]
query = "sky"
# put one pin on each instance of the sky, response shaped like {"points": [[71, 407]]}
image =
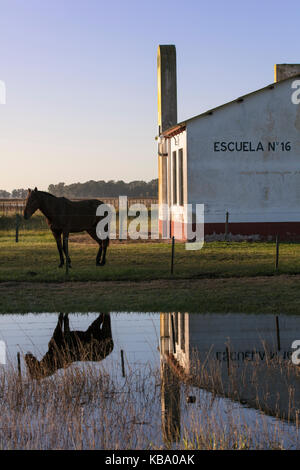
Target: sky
{"points": [[81, 84]]}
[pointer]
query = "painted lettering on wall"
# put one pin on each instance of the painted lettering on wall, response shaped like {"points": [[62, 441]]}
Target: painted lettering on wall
{"points": [[2, 92], [248, 146], [296, 94], [252, 355]]}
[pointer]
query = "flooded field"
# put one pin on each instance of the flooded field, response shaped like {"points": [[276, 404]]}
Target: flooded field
{"points": [[149, 381]]}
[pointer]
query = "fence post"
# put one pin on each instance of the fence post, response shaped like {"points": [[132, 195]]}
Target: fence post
{"points": [[17, 227], [277, 252], [172, 256], [226, 226], [19, 365], [277, 333], [228, 360], [122, 362]]}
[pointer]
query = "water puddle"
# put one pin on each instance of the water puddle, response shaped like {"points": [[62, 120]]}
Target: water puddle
{"points": [[157, 380]]}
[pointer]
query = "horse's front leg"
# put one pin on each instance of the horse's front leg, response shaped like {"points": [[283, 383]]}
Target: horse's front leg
{"points": [[66, 248], [105, 244], [57, 236], [98, 257]]}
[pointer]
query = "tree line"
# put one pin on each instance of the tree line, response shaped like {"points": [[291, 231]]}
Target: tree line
{"points": [[15, 194], [138, 189]]}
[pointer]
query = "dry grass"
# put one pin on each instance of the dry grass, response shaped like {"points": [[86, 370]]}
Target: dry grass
{"points": [[270, 385], [89, 407]]}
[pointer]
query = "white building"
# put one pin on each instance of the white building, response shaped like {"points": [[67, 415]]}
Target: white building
{"points": [[241, 158]]}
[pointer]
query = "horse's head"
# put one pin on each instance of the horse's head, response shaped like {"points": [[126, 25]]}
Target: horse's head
{"points": [[32, 203]]}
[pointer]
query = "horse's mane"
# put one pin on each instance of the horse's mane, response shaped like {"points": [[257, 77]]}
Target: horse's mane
{"points": [[46, 194]]}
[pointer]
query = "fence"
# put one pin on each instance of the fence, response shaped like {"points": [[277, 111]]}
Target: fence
{"points": [[9, 207]]}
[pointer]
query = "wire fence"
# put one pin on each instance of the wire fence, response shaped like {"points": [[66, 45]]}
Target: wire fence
{"points": [[9, 207], [11, 212]]}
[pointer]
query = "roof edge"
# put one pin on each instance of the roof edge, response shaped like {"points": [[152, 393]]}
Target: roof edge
{"points": [[209, 112], [174, 130]]}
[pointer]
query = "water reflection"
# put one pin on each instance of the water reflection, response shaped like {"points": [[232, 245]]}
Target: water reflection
{"points": [[66, 346], [244, 357], [192, 359]]}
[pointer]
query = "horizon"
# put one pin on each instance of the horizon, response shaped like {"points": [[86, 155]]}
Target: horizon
{"points": [[82, 183], [81, 79]]}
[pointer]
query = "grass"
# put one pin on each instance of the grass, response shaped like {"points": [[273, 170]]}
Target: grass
{"points": [[256, 295], [8, 223], [222, 277], [35, 257]]}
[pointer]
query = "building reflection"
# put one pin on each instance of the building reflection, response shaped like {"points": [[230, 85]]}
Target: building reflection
{"points": [[244, 357]]}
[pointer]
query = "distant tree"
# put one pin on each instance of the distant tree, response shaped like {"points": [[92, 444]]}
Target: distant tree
{"points": [[57, 189], [138, 189], [4, 194], [19, 193]]}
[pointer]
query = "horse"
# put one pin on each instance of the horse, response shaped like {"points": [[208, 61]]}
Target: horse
{"points": [[64, 216], [66, 346]]}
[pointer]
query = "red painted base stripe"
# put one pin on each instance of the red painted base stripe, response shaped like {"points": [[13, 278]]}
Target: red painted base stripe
{"points": [[265, 230]]}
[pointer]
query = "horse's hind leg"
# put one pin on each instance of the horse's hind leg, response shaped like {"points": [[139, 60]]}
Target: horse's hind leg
{"points": [[58, 333], [92, 233], [106, 327], [57, 236], [95, 326], [66, 248]]}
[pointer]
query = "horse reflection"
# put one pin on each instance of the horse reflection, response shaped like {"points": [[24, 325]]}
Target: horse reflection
{"points": [[66, 346]]}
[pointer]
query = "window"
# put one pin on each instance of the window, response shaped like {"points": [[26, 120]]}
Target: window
{"points": [[180, 176], [182, 331], [164, 180], [174, 177], [176, 327]]}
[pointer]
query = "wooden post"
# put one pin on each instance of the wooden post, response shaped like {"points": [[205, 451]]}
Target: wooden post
{"points": [[172, 256], [122, 362], [277, 252], [19, 364], [226, 226], [228, 360], [17, 227], [277, 333]]}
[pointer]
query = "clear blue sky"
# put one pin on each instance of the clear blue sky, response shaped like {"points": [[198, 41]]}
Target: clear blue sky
{"points": [[81, 77]]}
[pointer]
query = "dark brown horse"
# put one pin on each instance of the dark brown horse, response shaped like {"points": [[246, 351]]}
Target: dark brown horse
{"points": [[66, 346], [65, 216]]}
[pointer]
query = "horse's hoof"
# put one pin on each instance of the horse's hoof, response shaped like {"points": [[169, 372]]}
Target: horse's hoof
{"points": [[60, 265], [98, 264], [102, 263]]}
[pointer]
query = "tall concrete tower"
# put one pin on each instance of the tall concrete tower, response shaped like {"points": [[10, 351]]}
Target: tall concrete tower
{"points": [[167, 87], [283, 71], [167, 101]]}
